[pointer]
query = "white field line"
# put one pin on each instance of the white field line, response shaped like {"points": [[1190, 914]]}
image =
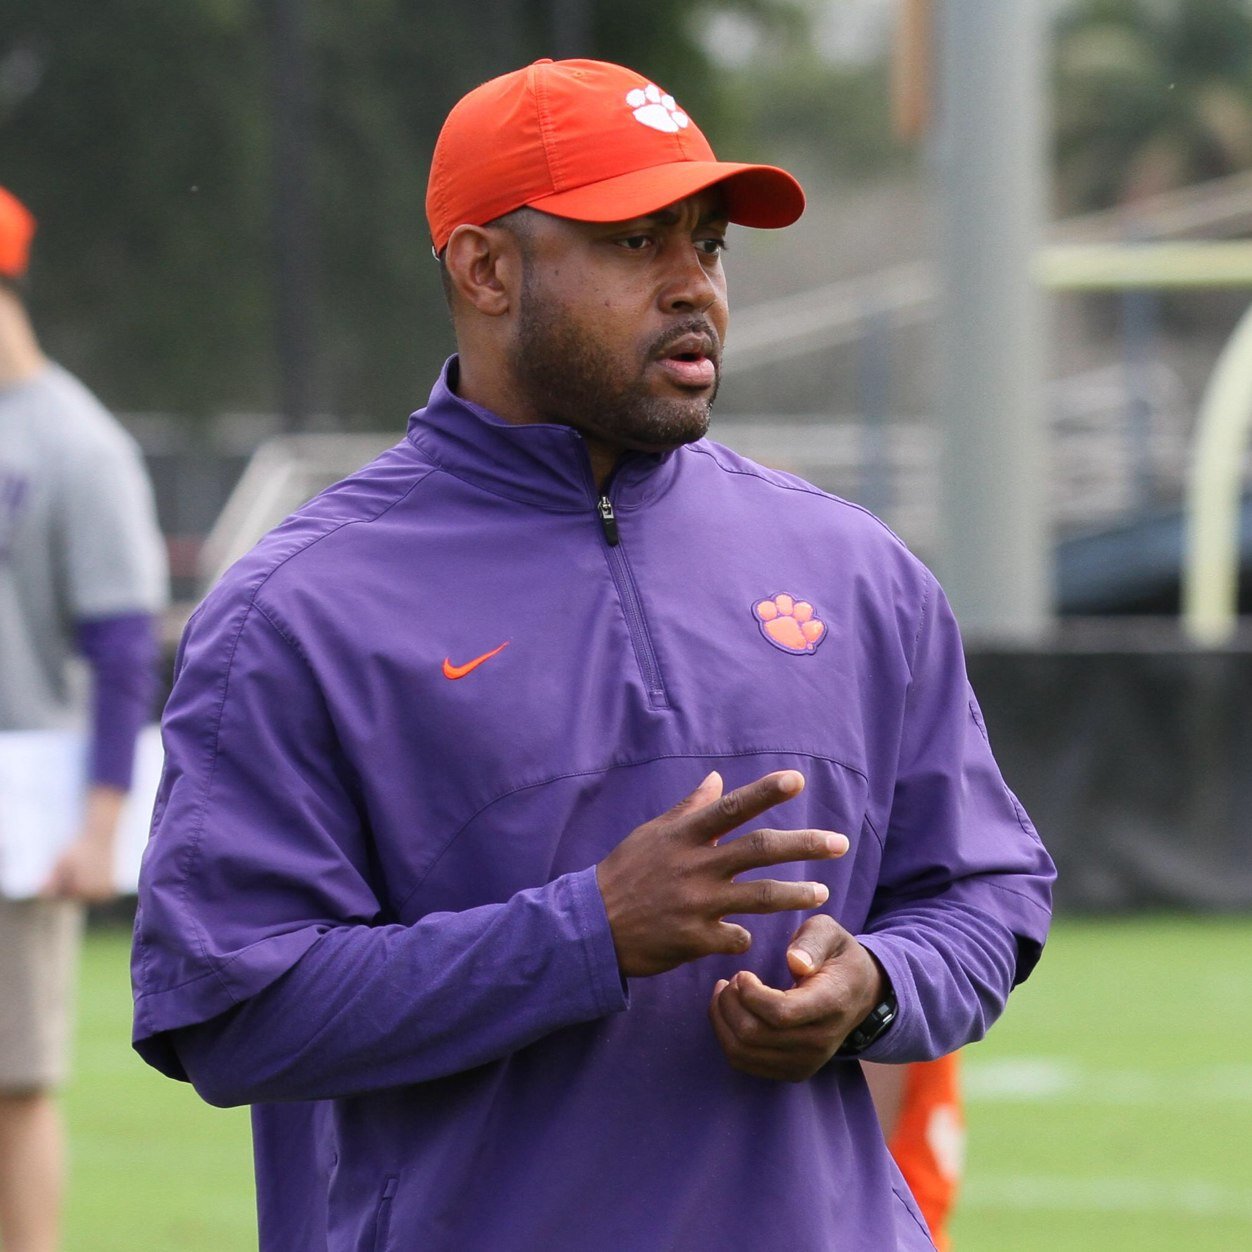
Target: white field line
{"points": [[1042, 1080], [1195, 1197]]}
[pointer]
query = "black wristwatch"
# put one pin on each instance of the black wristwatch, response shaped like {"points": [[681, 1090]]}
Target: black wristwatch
{"points": [[880, 1017]]}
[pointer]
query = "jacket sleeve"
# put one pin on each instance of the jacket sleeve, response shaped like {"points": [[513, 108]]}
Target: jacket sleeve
{"points": [[963, 902], [122, 653], [265, 965]]}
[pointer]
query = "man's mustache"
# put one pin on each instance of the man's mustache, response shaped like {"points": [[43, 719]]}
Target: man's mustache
{"points": [[696, 327]]}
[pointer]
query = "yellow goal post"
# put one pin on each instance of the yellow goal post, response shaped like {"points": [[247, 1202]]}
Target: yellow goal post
{"points": [[1211, 513]]}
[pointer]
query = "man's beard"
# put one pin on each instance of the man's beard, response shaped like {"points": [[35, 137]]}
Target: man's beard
{"points": [[574, 380]]}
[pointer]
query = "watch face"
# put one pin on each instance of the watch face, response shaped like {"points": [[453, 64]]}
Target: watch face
{"points": [[880, 1017]]}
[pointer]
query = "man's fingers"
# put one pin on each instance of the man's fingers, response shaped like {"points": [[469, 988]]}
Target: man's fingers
{"points": [[708, 791], [759, 848], [761, 1015], [731, 810], [726, 1009], [667, 889], [730, 939], [771, 895], [815, 1003], [753, 1000]]}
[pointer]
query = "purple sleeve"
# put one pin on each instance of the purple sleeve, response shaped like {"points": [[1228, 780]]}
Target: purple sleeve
{"points": [[374, 1007], [262, 966], [964, 897], [122, 654]]}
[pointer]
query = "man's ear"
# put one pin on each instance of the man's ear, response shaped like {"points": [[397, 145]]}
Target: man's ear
{"points": [[484, 265]]}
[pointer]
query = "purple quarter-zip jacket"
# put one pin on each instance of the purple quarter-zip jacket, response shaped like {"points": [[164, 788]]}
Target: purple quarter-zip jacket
{"points": [[403, 731]]}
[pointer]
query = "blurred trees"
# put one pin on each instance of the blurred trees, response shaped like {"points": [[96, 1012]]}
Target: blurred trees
{"points": [[135, 132], [140, 132], [1151, 94], [804, 105]]}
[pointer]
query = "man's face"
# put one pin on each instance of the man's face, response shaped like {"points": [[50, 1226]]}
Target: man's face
{"points": [[620, 326]]}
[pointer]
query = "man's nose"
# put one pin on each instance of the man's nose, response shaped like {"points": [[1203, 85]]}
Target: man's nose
{"points": [[690, 286]]}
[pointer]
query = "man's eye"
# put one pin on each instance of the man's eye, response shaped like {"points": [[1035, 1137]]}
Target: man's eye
{"points": [[711, 247], [635, 243]]}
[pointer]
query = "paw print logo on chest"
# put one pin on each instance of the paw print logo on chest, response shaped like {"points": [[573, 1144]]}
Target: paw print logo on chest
{"points": [[655, 108], [790, 624]]}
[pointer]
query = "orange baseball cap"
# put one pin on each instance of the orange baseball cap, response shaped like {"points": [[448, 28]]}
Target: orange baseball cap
{"points": [[590, 141], [17, 229]]}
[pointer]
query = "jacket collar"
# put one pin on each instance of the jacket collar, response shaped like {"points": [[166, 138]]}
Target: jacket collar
{"points": [[540, 464]]}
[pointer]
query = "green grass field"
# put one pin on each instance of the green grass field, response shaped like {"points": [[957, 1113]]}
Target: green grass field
{"points": [[152, 1168], [1111, 1109]]}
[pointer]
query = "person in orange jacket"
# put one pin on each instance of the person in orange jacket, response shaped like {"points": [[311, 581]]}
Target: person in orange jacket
{"points": [[919, 1107]]}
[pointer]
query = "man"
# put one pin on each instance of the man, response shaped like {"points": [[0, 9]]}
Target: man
{"points": [[444, 879], [82, 576]]}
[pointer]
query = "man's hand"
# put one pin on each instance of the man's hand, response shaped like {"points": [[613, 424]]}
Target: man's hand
{"points": [[668, 884], [789, 1035], [84, 871]]}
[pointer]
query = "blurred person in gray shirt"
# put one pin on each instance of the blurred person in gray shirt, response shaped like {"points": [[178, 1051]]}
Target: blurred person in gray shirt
{"points": [[82, 581]]}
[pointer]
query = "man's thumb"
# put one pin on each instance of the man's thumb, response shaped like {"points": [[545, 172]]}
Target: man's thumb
{"points": [[812, 945]]}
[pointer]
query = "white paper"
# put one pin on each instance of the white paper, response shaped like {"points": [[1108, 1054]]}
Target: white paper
{"points": [[43, 780]]}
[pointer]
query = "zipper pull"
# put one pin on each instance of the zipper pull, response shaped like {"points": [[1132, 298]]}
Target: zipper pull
{"points": [[608, 521]]}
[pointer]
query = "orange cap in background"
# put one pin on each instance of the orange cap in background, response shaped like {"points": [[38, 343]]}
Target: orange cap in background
{"points": [[17, 229], [586, 140]]}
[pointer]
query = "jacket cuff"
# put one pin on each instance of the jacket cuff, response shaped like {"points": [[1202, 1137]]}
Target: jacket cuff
{"points": [[603, 971], [901, 1040]]}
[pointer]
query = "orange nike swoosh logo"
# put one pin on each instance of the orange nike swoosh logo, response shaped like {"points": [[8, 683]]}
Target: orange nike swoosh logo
{"points": [[459, 671]]}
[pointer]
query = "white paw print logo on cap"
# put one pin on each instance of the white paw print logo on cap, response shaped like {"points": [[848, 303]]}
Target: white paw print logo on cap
{"points": [[656, 109]]}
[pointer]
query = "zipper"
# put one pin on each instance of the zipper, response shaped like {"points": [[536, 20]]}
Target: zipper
{"points": [[632, 606], [382, 1216], [608, 521]]}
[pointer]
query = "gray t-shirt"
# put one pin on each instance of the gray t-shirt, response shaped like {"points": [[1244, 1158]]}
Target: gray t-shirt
{"points": [[78, 539]]}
